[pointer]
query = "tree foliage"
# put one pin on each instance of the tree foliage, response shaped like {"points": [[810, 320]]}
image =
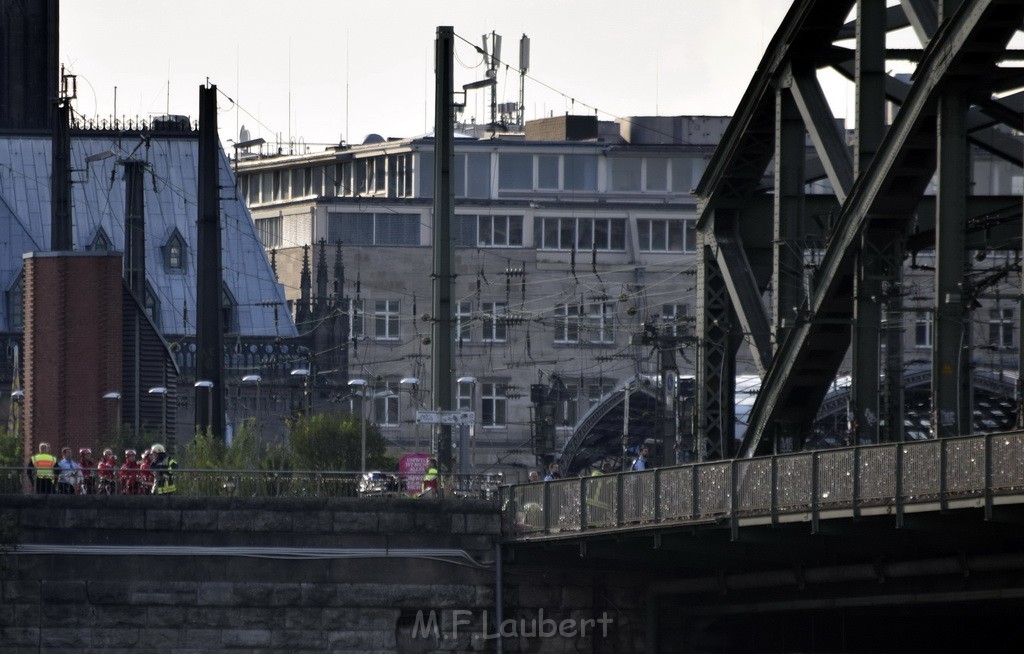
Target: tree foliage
{"points": [[10, 448], [333, 441]]}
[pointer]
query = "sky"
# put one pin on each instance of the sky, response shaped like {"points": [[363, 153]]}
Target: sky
{"points": [[314, 72]]}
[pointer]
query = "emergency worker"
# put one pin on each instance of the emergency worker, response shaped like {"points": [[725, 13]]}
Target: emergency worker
{"points": [[163, 467], [40, 470]]}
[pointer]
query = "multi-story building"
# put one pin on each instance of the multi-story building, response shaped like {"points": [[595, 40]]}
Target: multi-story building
{"points": [[568, 240]]}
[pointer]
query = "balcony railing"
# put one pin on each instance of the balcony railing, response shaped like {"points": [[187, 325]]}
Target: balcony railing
{"points": [[889, 478]]}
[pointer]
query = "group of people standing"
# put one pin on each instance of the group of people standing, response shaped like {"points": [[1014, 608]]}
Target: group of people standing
{"points": [[153, 474]]}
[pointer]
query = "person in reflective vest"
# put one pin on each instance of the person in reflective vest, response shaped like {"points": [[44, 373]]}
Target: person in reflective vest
{"points": [[40, 469], [163, 468], [430, 479]]}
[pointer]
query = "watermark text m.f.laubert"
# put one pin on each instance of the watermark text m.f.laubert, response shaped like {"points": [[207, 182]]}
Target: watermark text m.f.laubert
{"points": [[427, 625]]}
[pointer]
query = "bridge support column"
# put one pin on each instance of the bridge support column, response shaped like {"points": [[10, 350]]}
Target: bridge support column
{"points": [[951, 402], [716, 367]]}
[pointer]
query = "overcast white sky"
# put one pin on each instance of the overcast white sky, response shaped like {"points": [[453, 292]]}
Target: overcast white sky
{"points": [[322, 71]]}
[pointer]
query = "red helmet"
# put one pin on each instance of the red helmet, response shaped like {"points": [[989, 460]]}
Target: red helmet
{"points": [[85, 451]]}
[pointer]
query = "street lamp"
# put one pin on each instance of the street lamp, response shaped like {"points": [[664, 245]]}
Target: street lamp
{"points": [[465, 437], [114, 395], [363, 385], [208, 385], [256, 379], [304, 373], [161, 390]]}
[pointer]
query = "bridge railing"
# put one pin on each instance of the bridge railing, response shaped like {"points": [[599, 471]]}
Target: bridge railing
{"points": [[278, 483], [804, 484]]}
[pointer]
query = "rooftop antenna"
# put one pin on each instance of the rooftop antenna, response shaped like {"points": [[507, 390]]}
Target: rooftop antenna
{"points": [[524, 65]]}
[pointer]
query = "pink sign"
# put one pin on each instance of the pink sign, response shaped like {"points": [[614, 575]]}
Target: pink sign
{"points": [[411, 469]]}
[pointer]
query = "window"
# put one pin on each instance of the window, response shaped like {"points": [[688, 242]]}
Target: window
{"points": [[403, 176], [1000, 328], [385, 316], [548, 172], [686, 173], [600, 322], [515, 172], [100, 242], [499, 231], [567, 323], [568, 407], [270, 231], [673, 319], [15, 304], [229, 311], [656, 174], [478, 176], [385, 409], [373, 228], [492, 405], [355, 318], [152, 304], [174, 252], [923, 329], [670, 235], [465, 396], [580, 172], [624, 173], [463, 321], [495, 328], [583, 234]]}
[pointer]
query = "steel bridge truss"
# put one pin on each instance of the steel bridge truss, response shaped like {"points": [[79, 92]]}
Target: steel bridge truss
{"points": [[812, 281]]}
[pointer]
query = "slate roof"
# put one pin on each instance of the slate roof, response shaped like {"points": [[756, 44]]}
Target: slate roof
{"points": [[170, 205]]}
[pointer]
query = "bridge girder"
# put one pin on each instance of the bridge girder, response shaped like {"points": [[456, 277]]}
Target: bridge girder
{"points": [[880, 194]]}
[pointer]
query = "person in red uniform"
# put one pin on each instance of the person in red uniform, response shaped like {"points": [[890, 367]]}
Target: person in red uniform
{"points": [[128, 476], [88, 486], [105, 482], [146, 473]]}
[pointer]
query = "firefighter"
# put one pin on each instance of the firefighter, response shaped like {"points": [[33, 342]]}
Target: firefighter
{"points": [[163, 467], [87, 465], [128, 476], [40, 469], [105, 483]]}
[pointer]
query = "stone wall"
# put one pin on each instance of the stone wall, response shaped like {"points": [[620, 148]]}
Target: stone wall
{"points": [[177, 574], [158, 574]]}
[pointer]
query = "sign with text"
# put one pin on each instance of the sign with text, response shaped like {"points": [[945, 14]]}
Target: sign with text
{"points": [[445, 417]]}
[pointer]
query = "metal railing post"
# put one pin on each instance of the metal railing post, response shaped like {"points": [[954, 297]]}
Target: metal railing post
{"points": [[814, 492], [988, 476], [734, 502], [584, 504], [856, 482], [899, 485], [657, 494], [694, 490], [775, 490], [547, 507], [943, 481]]}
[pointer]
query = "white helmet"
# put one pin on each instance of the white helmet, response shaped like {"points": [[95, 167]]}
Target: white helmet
{"points": [[157, 447]]}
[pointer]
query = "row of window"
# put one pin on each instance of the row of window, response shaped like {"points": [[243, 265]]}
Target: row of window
{"points": [[1001, 327], [504, 231], [573, 323], [391, 175]]}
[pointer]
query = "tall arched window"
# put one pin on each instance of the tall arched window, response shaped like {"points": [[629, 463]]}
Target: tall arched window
{"points": [[174, 252], [229, 310]]}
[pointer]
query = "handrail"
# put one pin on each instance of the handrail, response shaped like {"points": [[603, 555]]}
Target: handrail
{"points": [[815, 485], [191, 482]]}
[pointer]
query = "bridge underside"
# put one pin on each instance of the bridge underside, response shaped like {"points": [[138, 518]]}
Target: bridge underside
{"points": [[897, 235], [941, 582]]}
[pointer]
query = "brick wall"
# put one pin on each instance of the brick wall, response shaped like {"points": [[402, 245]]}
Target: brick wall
{"points": [[72, 347]]}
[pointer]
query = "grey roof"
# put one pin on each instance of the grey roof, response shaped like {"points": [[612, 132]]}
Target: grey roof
{"points": [[170, 205]]}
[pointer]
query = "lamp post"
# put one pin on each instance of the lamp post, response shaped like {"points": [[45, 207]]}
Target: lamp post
{"points": [[256, 379], [306, 396], [467, 433], [162, 391], [363, 385], [114, 395], [208, 385], [413, 384]]}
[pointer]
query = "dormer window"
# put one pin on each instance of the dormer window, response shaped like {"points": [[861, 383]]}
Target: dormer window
{"points": [[174, 253], [100, 242], [229, 311], [152, 304]]}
